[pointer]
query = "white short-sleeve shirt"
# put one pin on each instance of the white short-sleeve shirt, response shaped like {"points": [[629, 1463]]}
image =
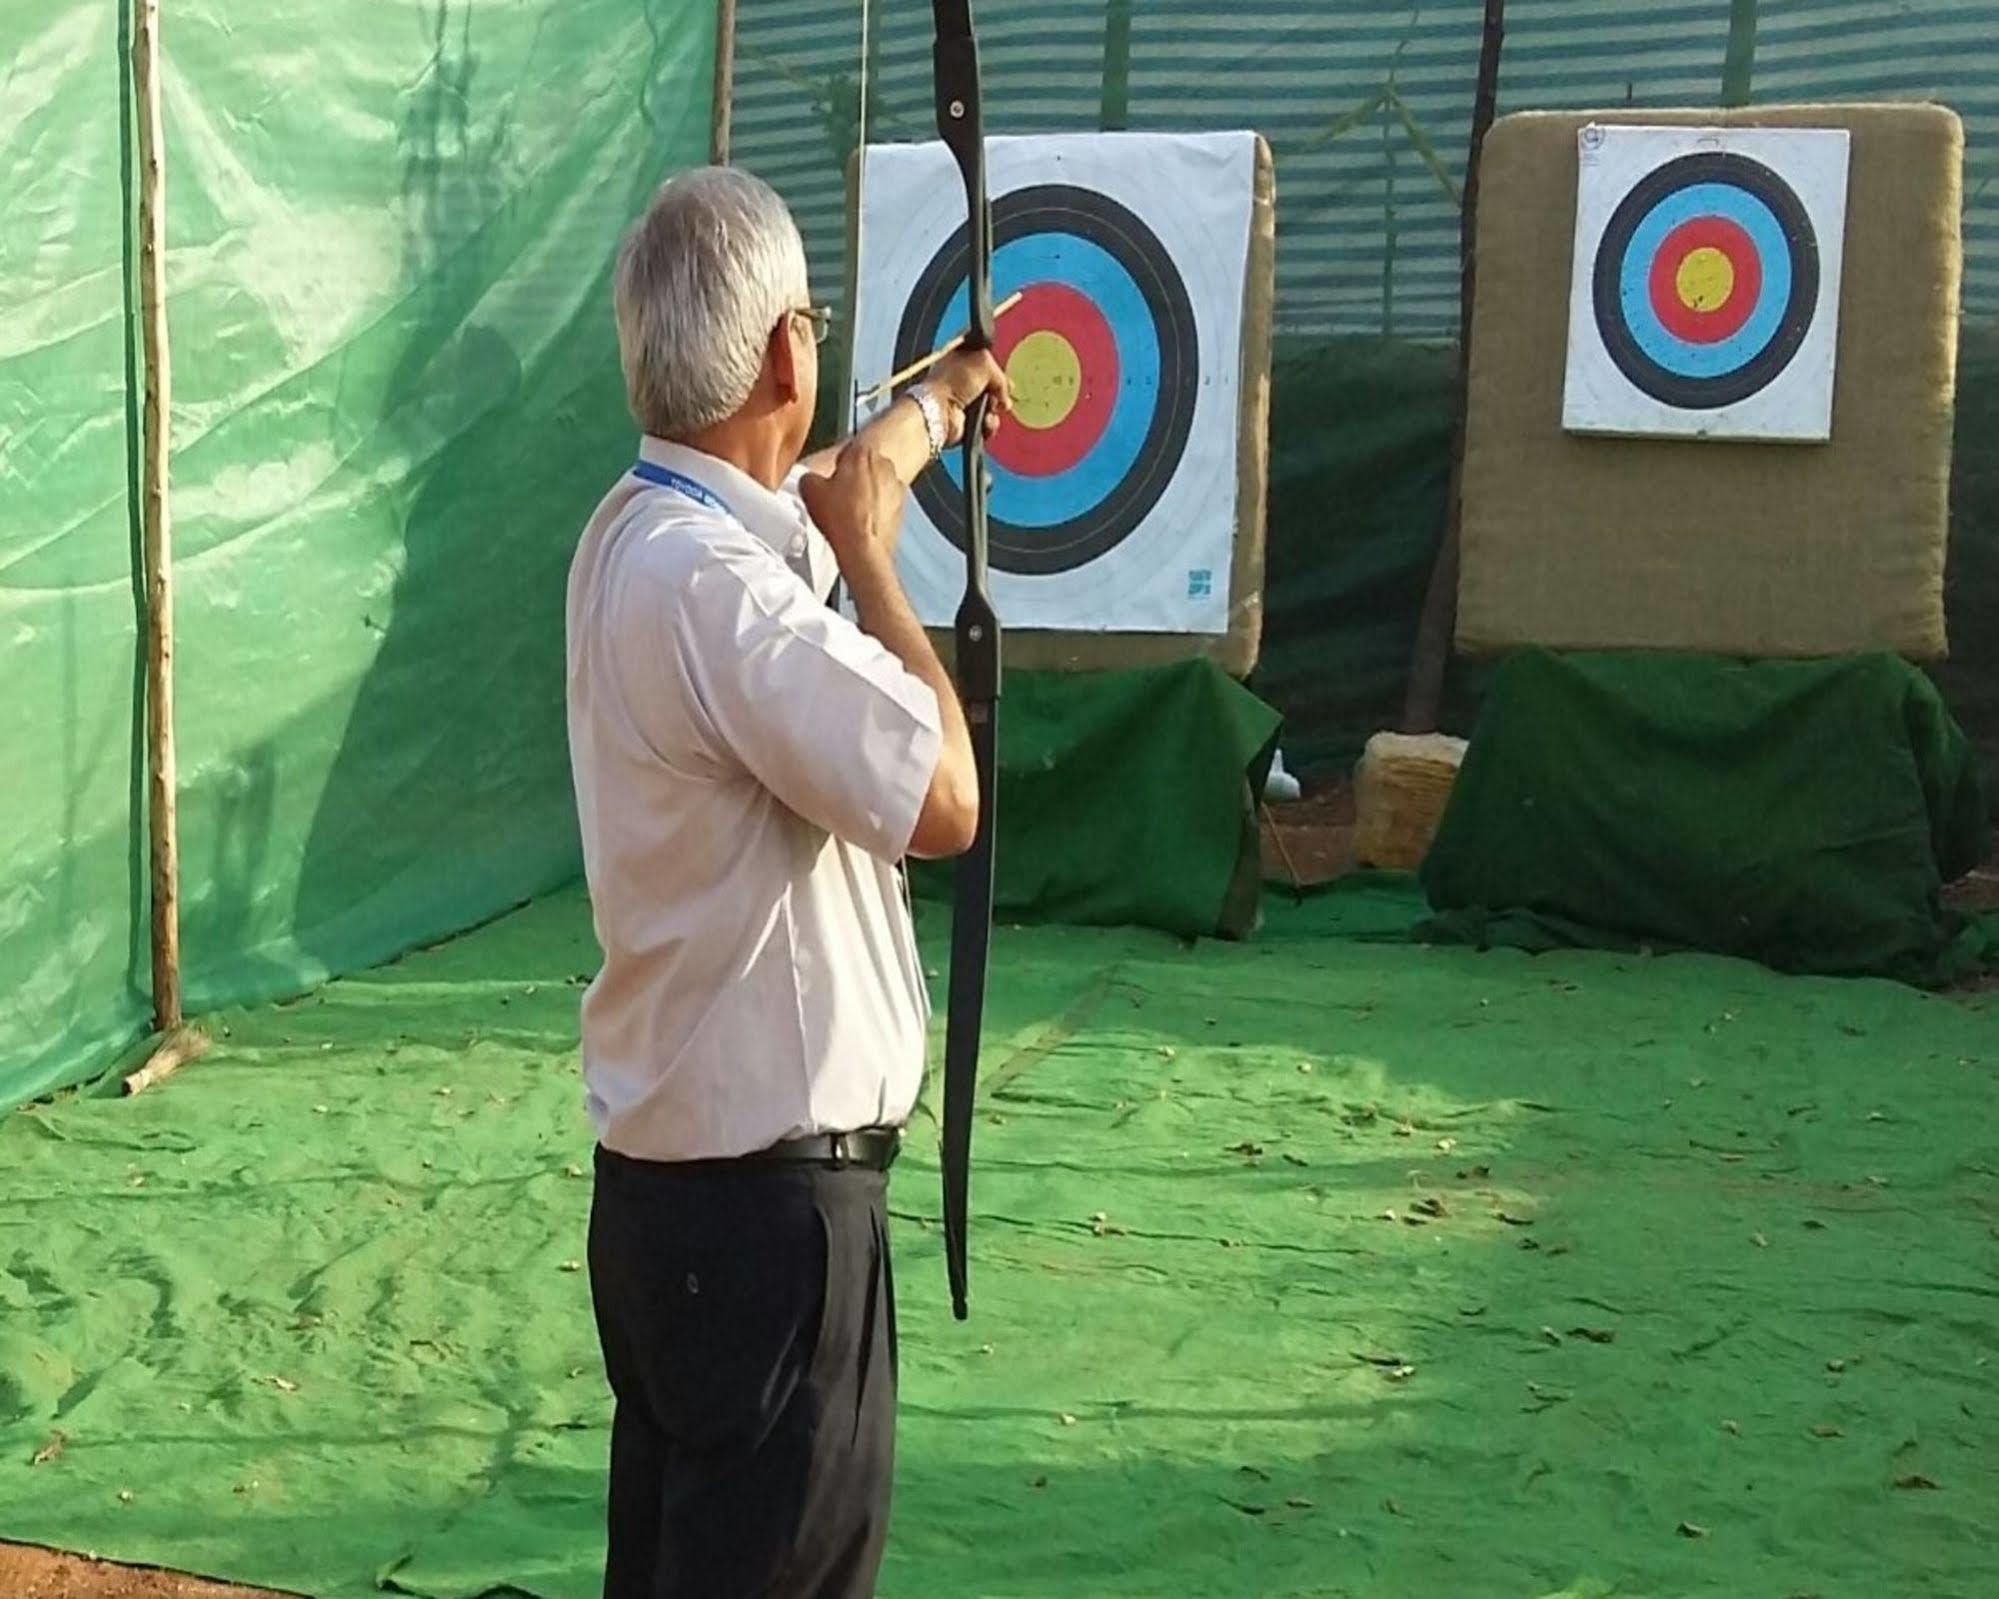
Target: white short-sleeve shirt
{"points": [[749, 766]]}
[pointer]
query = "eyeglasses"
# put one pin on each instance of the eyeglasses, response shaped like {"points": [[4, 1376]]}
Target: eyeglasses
{"points": [[821, 318]]}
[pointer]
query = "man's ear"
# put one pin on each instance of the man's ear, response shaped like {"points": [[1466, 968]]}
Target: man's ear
{"points": [[782, 358]]}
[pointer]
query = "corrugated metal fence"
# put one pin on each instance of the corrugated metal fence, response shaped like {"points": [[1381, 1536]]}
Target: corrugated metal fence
{"points": [[1367, 106]]}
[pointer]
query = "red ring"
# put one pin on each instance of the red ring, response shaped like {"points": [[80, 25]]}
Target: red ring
{"points": [[1057, 308], [1725, 320]]}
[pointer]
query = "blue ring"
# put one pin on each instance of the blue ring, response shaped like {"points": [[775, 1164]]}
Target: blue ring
{"points": [[1095, 273], [1674, 354]]}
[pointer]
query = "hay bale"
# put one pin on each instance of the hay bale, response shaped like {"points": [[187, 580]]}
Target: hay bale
{"points": [[1401, 786]]}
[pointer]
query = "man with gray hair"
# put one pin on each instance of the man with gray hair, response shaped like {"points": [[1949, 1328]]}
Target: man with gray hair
{"points": [[750, 769]]}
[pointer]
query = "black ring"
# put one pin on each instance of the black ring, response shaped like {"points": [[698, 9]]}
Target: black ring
{"points": [[1726, 388], [1082, 538]]}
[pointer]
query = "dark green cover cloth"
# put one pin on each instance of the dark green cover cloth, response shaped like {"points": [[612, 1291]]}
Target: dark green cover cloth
{"points": [[1802, 813], [1126, 798]]}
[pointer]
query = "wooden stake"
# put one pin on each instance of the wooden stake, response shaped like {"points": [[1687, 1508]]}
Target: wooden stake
{"points": [[722, 107], [1432, 656], [182, 1045], [157, 552]]}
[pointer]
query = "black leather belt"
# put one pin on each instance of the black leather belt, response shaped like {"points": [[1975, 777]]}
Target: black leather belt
{"points": [[870, 1148]]}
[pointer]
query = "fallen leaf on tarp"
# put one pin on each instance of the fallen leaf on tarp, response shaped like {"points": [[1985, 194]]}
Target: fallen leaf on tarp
{"points": [[1733, 1428], [1826, 1429], [572, 1265], [1067, 1420], [1248, 1147], [50, 1451], [284, 1385], [572, 1170], [1391, 1507], [1549, 1335], [1447, 1144], [1813, 1224], [1247, 1510], [1759, 1240], [1379, 1360], [1688, 1529], [1298, 1504], [1296, 1160], [1429, 1205], [1916, 1479], [1512, 1220], [1399, 1373], [1471, 1310], [1254, 1471], [1596, 1335], [1835, 1365], [124, 1496], [1474, 1173], [1039, 1482]]}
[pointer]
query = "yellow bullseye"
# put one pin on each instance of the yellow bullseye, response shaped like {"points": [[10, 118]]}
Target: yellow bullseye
{"points": [[1046, 379], [1705, 280]]}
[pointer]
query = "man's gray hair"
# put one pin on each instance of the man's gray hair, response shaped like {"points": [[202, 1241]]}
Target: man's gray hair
{"points": [[703, 277]]}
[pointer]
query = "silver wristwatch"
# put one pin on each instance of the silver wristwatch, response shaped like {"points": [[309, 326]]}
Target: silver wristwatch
{"points": [[932, 410]]}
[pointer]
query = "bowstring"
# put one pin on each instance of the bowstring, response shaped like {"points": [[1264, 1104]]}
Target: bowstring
{"points": [[860, 222]]}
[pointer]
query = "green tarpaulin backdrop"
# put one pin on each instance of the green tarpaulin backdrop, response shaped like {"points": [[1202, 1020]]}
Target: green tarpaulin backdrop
{"points": [[396, 397], [390, 223]]}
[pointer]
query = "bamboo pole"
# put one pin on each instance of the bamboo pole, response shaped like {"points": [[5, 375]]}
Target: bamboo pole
{"points": [[179, 1044], [723, 104], [1424, 703], [1738, 68]]}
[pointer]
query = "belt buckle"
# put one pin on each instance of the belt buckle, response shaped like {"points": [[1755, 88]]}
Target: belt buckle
{"points": [[842, 1151]]}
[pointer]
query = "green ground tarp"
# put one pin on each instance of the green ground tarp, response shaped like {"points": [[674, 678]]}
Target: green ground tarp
{"points": [[1312, 1268], [1127, 798], [396, 399], [1806, 814]]}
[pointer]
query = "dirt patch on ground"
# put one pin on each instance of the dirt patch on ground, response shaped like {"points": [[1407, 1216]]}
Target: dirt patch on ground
{"points": [[1310, 840], [30, 1573], [1979, 891]]}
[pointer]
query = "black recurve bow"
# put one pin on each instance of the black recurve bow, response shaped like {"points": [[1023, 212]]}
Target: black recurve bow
{"points": [[956, 61]]}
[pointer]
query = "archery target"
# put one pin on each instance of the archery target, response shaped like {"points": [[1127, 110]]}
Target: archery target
{"points": [[1113, 483], [1705, 293]]}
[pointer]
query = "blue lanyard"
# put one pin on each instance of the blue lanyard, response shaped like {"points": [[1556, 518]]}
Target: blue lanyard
{"points": [[680, 483]]}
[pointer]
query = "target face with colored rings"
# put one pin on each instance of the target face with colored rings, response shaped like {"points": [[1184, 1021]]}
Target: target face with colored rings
{"points": [[1706, 280], [1103, 360]]}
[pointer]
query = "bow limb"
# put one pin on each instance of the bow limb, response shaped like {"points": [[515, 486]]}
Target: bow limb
{"points": [[956, 61]]}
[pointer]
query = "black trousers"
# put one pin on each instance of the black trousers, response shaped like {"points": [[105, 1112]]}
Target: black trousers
{"points": [[747, 1315]]}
